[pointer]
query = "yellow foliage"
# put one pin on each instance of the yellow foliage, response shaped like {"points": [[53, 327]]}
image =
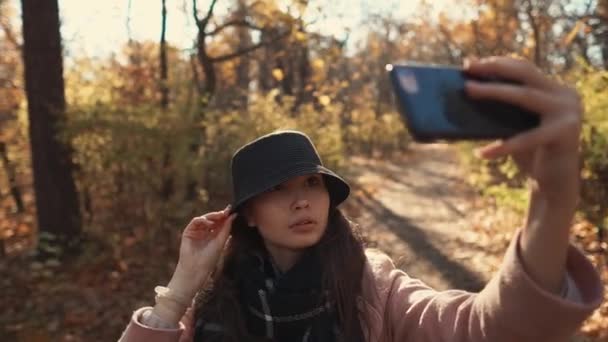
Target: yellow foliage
{"points": [[278, 74], [301, 36], [318, 64], [324, 100]]}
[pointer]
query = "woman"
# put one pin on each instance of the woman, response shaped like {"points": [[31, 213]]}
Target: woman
{"points": [[294, 269]]}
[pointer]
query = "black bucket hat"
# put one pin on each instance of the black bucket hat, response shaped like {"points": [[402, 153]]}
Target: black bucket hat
{"points": [[275, 158]]}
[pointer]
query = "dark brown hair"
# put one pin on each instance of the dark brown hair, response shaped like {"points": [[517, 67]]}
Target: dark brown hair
{"points": [[342, 250]]}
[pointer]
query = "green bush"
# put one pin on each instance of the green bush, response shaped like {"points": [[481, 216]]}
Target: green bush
{"points": [[593, 87], [366, 133], [124, 155]]}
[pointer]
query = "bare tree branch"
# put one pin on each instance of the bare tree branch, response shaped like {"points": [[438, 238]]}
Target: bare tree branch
{"points": [[206, 61], [202, 23], [246, 50], [195, 11], [588, 6], [584, 17], [210, 11], [128, 22], [196, 80], [449, 43], [240, 22], [164, 87], [536, 28]]}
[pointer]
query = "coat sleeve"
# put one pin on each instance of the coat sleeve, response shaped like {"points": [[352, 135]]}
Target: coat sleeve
{"points": [[136, 331], [511, 307]]}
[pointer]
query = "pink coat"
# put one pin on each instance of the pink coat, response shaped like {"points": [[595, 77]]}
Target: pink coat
{"points": [[510, 308]]}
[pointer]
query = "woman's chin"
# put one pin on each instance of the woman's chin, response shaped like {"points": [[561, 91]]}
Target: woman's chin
{"points": [[301, 241]]}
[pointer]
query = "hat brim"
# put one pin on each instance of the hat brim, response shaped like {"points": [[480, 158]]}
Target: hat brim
{"points": [[337, 187]]}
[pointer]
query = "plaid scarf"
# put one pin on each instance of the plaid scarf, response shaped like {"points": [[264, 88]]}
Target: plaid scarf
{"points": [[283, 307], [287, 306]]}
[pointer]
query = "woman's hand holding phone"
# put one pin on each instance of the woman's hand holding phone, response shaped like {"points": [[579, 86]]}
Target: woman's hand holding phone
{"points": [[548, 154]]}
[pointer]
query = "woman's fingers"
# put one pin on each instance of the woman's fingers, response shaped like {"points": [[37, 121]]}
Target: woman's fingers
{"points": [[202, 222], [219, 213], [226, 228], [199, 228], [203, 227], [214, 216], [532, 99], [195, 234], [559, 106], [512, 69], [522, 142]]}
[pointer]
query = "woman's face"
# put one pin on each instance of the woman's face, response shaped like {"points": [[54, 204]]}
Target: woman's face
{"points": [[293, 215]]}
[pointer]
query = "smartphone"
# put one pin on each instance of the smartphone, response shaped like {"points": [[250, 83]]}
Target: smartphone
{"points": [[432, 101]]}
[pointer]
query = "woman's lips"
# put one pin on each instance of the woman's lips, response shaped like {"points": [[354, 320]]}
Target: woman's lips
{"points": [[303, 225]]}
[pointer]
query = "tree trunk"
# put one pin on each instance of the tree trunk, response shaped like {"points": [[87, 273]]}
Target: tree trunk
{"points": [[164, 87], [535, 13], [304, 93], [243, 67], [167, 184], [285, 64], [56, 197], [210, 82], [265, 80]]}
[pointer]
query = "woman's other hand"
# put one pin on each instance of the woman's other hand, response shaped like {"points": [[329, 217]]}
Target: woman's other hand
{"points": [[202, 243]]}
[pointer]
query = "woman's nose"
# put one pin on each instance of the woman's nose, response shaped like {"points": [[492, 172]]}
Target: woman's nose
{"points": [[301, 203]]}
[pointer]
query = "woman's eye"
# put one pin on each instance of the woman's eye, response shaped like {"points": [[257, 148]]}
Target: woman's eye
{"points": [[314, 181], [276, 188]]}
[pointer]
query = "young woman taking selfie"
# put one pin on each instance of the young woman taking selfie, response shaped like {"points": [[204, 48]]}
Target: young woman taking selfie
{"points": [[295, 270]]}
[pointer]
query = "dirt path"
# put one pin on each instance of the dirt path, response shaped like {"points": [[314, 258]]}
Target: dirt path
{"points": [[415, 208]]}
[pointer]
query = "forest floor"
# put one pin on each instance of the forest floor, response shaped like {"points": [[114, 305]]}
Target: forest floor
{"points": [[416, 207]]}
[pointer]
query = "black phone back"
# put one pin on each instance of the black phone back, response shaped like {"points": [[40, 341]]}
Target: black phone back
{"points": [[433, 102]]}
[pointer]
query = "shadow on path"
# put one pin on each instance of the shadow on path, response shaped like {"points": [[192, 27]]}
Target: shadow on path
{"points": [[457, 275]]}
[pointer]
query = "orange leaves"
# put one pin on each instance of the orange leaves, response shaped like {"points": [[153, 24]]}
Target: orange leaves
{"points": [[568, 38], [33, 335], [129, 241], [585, 235], [79, 317], [16, 229], [123, 266]]}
